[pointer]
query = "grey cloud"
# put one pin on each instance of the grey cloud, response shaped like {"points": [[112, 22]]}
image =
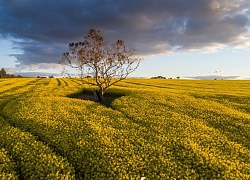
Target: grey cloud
{"points": [[38, 52], [218, 71], [35, 74], [42, 29], [209, 77]]}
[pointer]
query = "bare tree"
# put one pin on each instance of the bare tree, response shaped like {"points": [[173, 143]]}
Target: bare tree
{"points": [[107, 64]]}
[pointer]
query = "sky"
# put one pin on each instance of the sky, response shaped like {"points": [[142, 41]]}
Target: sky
{"points": [[201, 39]]}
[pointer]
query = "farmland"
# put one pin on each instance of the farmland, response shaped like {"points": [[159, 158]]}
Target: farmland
{"points": [[152, 128]]}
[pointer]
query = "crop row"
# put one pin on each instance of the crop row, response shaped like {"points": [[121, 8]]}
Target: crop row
{"points": [[84, 137], [160, 130], [14, 85], [39, 87], [7, 166], [203, 126], [31, 158], [154, 142], [101, 143], [204, 87], [54, 87]]}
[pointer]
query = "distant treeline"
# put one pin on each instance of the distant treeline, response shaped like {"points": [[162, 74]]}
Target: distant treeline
{"points": [[3, 74], [44, 77], [162, 77]]}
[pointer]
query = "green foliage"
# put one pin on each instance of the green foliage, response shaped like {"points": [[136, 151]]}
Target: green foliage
{"points": [[3, 74]]}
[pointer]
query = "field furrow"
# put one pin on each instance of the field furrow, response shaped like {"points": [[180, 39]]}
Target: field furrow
{"points": [[33, 159], [157, 129]]}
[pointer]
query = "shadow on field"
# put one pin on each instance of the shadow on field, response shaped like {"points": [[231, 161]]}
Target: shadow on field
{"points": [[88, 94]]}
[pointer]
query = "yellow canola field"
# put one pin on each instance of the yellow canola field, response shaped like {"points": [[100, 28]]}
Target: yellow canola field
{"points": [[158, 129]]}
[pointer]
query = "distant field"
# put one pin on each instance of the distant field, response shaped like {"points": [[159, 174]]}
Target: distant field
{"points": [[152, 128]]}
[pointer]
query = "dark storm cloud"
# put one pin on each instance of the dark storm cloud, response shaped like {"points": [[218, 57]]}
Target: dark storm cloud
{"points": [[42, 29]]}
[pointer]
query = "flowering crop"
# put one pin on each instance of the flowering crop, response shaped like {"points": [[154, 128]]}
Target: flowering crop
{"points": [[7, 166], [205, 130], [12, 84], [84, 137], [161, 129], [33, 158]]}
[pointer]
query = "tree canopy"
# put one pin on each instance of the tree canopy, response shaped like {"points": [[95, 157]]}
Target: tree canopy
{"points": [[3, 74]]}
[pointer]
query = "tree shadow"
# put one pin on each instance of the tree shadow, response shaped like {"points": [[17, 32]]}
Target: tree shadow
{"points": [[88, 94]]}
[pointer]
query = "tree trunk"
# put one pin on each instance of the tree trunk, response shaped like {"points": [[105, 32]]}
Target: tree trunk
{"points": [[100, 95]]}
